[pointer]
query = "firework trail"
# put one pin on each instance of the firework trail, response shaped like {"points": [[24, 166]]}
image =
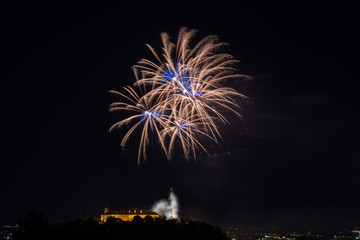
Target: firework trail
{"points": [[167, 208], [180, 96]]}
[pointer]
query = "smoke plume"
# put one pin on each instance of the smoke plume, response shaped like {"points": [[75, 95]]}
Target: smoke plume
{"points": [[168, 208]]}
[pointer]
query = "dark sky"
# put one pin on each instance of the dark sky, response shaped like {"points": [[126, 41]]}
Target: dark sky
{"points": [[294, 160]]}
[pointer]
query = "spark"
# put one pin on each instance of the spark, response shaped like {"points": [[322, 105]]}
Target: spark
{"points": [[180, 95]]}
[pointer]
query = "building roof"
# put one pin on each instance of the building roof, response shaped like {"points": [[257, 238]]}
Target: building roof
{"points": [[130, 211]]}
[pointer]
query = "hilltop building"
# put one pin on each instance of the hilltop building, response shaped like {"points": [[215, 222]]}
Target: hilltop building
{"points": [[126, 214]]}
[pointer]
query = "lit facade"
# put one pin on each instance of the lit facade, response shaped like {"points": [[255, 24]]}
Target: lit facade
{"points": [[126, 214]]}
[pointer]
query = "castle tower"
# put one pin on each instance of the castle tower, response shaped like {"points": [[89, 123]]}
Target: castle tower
{"points": [[106, 210]]}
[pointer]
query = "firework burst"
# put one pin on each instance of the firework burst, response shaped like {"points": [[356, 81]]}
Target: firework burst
{"points": [[180, 95]]}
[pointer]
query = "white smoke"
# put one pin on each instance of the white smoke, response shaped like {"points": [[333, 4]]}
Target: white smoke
{"points": [[168, 208]]}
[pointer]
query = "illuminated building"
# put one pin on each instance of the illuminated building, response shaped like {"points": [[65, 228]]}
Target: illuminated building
{"points": [[126, 214]]}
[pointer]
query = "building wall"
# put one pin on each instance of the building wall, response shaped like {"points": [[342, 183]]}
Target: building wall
{"points": [[125, 217]]}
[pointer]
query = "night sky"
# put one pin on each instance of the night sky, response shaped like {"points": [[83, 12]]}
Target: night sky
{"points": [[294, 160]]}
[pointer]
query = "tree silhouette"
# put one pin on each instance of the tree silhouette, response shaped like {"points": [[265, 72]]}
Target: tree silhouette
{"points": [[137, 219], [148, 219], [35, 226]]}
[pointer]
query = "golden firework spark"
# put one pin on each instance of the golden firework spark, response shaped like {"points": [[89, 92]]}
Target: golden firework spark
{"points": [[182, 94]]}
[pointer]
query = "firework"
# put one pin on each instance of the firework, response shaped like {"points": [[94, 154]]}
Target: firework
{"points": [[180, 96]]}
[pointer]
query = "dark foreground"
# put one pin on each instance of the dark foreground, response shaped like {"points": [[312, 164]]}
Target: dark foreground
{"points": [[35, 226]]}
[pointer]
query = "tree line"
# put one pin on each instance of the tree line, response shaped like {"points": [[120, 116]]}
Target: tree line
{"points": [[36, 226]]}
